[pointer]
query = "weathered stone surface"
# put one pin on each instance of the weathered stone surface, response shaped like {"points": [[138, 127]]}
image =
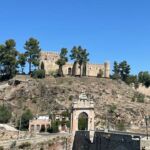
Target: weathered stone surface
{"points": [[51, 94]]}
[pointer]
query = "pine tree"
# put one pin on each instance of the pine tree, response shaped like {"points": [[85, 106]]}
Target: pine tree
{"points": [[33, 53], [8, 61], [62, 61], [21, 61], [80, 56]]}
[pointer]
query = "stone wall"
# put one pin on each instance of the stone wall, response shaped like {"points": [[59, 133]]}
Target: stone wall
{"points": [[145, 143], [144, 90], [49, 59], [105, 141]]}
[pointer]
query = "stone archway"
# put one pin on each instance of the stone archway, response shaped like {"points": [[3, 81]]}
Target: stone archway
{"points": [[69, 71], [83, 121], [82, 107]]}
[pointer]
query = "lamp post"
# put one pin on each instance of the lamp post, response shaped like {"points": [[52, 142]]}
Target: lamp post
{"points": [[146, 122], [19, 127]]}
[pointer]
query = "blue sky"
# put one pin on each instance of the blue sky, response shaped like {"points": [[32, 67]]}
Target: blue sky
{"points": [[108, 29]]}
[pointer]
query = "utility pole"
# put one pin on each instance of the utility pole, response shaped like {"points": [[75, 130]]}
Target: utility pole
{"points": [[146, 122], [66, 142], [19, 127]]}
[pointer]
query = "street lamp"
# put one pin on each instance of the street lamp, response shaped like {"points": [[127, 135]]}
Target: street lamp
{"points": [[146, 122]]}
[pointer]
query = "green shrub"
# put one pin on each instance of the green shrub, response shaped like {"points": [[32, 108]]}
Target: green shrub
{"points": [[120, 126], [26, 116], [65, 113], [13, 144], [53, 73], [70, 97], [138, 97], [68, 124], [54, 127], [38, 74], [112, 108], [24, 145], [5, 114], [1, 148]]}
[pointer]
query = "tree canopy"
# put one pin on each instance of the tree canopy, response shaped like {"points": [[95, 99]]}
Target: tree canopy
{"points": [[144, 78], [26, 116], [121, 70], [33, 52], [8, 60], [22, 61], [62, 61], [80, 56]]}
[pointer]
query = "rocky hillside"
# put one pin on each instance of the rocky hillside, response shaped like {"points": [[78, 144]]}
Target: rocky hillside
{"points": [[116, 102]]}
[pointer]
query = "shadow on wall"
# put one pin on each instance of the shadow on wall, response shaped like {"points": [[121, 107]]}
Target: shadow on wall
{"points": [[105, 141]]}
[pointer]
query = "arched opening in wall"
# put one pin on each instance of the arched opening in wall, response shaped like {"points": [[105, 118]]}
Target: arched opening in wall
{"points": [[83, 121], [42, 128], [32, 127], [100, 73], [69, 71]]}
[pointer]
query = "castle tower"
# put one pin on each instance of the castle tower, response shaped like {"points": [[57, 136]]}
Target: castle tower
{"points": [[106, 69], [49, 59]]}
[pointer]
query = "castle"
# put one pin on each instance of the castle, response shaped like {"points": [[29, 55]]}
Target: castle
{"points": [[49, 59]]}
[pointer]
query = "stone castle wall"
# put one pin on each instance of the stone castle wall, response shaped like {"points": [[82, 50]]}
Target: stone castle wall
{"points": [[49, 59]]}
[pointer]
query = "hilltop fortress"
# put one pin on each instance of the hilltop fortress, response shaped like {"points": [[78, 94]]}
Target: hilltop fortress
{"points": [[49, 59]]}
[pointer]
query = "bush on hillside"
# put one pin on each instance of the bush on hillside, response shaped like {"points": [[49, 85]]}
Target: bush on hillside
{"points": [[138, 97], [26, 116], [5, 114], [24, 145], [54, 127], [112, 108], [120, 125], [38, 74]]}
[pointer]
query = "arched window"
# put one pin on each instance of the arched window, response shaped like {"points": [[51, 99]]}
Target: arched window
{"points": [[69, 71]]}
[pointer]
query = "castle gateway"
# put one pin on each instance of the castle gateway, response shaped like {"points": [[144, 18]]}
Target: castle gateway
{"points": [[49, 59]]}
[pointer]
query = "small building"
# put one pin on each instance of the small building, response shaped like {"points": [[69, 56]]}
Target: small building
{"points": [[39, 123]]}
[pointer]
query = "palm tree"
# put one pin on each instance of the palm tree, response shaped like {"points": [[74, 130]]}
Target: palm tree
{"points": [[62, 61]]}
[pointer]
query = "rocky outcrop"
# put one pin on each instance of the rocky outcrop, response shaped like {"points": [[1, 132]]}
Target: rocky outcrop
{"points": [[114, 100]]}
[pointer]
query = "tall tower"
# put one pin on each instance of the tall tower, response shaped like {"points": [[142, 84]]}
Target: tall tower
{"points": [[106, 69]]}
